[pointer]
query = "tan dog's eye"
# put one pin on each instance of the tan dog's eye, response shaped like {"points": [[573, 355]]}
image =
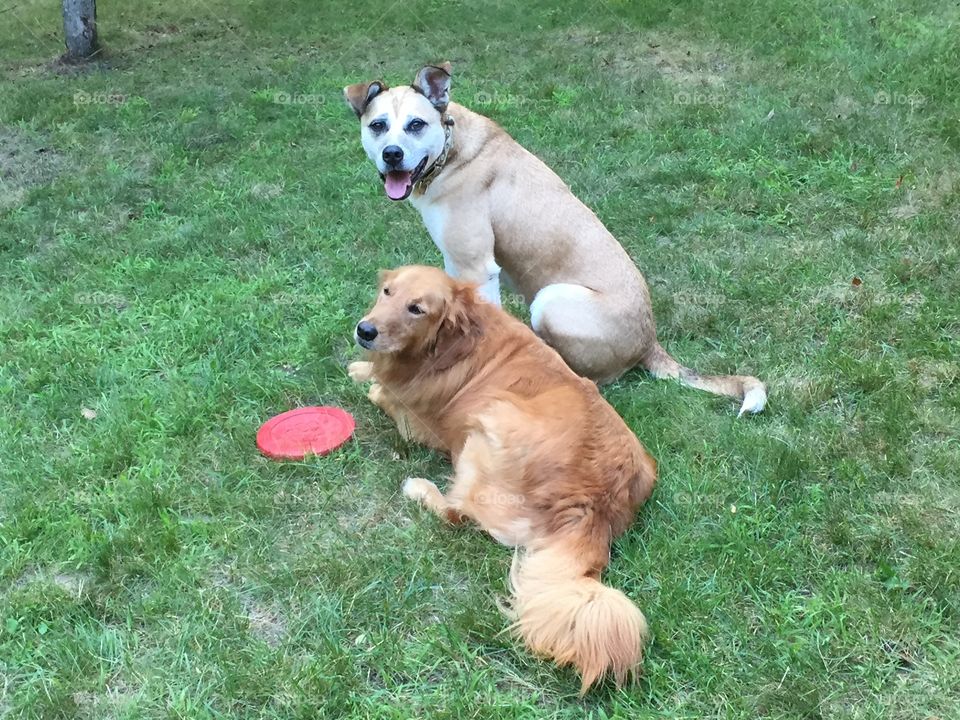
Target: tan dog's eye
{"points": [[415, 309], [386, 291]]}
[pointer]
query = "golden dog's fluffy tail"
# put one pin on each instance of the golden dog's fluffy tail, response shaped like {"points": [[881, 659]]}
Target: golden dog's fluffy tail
{"points": [[563, 612], [749, 390]]}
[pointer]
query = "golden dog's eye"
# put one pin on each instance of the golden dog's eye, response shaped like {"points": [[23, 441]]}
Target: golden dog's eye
{"points": [[386, 291], [415, 309]]}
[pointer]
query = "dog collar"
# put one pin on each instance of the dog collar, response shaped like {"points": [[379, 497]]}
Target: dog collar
{"points": [[431, 173]]}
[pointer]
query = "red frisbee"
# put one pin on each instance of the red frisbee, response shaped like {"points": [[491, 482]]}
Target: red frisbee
{"points": [[306, 431]]}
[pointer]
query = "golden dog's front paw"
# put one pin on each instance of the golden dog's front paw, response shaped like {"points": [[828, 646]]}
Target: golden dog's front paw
{"points": [[360, 371], [375, 394], [418, 489]]}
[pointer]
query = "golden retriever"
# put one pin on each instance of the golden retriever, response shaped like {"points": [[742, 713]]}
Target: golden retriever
{"points": [[542, 462]]}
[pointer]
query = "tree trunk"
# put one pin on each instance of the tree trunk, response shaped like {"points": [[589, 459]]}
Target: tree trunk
{"points": [[80, 29]]}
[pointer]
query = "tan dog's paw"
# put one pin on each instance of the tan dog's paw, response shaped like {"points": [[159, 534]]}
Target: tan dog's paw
{"points": [[418, 489], [360, 371]]}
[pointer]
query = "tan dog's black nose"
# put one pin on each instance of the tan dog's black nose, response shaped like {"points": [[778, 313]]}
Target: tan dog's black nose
{"points": [[366, 331], [393, 155]]}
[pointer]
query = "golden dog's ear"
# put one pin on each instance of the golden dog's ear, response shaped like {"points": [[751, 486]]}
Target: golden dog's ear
{"points": [[359, 96], [433, 81], [385, 276], [460, 310], [459, 331]]}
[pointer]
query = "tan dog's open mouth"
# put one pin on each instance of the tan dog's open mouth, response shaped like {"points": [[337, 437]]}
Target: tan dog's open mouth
{"points": [[398, 184]]}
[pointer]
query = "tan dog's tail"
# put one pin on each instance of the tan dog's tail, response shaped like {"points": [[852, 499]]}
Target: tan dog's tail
{"points": [[563, 612], [749, 390]]}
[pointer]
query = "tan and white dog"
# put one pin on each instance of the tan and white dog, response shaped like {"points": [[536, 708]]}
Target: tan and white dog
{"points": [[493, 209]]}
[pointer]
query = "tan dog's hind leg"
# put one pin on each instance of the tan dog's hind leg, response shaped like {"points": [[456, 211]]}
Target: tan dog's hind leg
{"points": [[601, 338], [584, 327]]}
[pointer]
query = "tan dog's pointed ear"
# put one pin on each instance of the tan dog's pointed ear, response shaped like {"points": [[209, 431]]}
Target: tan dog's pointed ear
{"points": [[433, 81], [358, 96]]}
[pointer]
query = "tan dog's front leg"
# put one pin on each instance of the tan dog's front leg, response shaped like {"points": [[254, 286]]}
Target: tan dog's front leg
{"points": [[426, 493], [468, 251]]}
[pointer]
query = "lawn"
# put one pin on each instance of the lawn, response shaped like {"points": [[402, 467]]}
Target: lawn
{"points": [[189, 230]]}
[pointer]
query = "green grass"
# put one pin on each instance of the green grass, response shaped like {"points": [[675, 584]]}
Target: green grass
{"points": [[185, 256]]}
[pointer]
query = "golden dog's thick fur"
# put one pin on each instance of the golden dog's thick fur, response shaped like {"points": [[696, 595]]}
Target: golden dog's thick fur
{"points": [[542, 462]]}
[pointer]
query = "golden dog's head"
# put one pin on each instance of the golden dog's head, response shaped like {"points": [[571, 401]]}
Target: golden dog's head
{"points": [[420, 312]]}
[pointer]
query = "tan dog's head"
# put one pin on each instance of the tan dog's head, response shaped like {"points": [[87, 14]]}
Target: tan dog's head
{"points": [[420, 313], [401, 128]]}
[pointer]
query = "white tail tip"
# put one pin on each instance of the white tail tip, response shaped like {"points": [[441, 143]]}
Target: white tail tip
{"points": [[753, 401]]}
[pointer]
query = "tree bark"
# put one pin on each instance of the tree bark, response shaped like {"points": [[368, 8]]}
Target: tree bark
{"points": [[80, 29]]}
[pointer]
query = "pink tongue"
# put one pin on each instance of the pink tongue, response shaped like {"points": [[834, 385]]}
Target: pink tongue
{"points": [[396, 183]]}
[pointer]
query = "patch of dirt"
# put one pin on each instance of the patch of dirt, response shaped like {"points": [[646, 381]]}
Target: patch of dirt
{"points": [[856, 294], [932, 373], [681, 60], [72, 583], [266, 191], [162, 30], [929, 193], [843, 107], [26, 162], [116, 695], [265, 623], [135, 40]]}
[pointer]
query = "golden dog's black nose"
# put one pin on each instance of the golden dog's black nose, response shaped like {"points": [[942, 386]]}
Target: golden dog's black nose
{"points": [[366, 331]]}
